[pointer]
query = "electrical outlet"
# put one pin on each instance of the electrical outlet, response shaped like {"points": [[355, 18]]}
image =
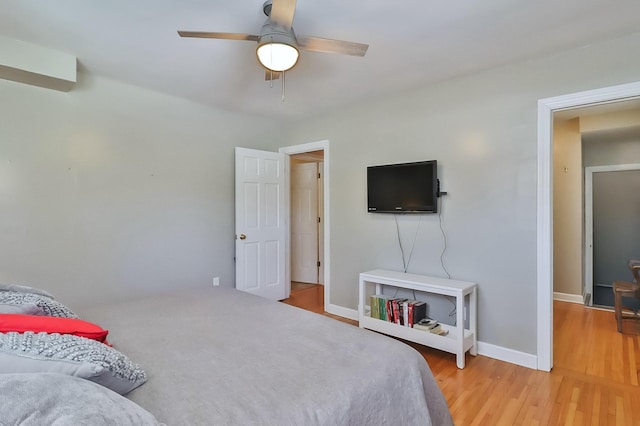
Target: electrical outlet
{"points": [[216, 281]]}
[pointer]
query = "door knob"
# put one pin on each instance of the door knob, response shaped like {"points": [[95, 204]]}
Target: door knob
{"points": [[243, 237]]}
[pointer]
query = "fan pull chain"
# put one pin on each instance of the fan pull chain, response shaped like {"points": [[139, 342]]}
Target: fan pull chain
{"points": [[283, 85], [271, 64]]}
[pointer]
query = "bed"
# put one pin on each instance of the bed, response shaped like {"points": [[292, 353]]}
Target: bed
{"points": [[223, 357]]}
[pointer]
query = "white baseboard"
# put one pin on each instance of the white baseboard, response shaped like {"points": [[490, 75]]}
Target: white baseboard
{"points": [[485, 349], [342, 311], [572, 298], [508, 355]]}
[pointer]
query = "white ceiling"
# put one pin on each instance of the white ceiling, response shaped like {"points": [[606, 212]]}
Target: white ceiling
{"points": [[412, 43]]}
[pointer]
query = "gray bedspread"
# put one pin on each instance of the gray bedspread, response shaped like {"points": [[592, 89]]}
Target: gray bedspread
{"points": [[224, 357]]}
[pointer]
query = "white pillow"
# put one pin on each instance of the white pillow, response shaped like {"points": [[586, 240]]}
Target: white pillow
{"points": [[35, 399], [71, 355], [15, 302], [25, 289]]}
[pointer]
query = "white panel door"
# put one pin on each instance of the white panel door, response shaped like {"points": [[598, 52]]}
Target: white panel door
{"points": [[304, 222], [260, 223], [611, 208]]}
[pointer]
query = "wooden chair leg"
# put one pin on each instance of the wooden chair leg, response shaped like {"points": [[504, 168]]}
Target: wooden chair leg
{"points": [[618, 309]]}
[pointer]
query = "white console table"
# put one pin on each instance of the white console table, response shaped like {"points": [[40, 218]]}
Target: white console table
{"points": [[459, 340]]}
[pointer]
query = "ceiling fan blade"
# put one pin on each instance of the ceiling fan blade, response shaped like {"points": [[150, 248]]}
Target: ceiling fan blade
{"points": [[282, 12], [327, 45], [224, 36], [271, 75]]}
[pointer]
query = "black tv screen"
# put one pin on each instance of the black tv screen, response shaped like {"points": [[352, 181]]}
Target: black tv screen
{"points": [[403, 188]]}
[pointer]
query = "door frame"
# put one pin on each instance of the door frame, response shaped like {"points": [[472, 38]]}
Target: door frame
{"points": [[299, 149], [544, 252], [588, 218]]}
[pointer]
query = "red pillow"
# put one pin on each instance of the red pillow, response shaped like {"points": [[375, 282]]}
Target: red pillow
{"points": [[36, 323]]}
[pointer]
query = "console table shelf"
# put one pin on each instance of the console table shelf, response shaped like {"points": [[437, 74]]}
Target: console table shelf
{"points": [[459, 340]]}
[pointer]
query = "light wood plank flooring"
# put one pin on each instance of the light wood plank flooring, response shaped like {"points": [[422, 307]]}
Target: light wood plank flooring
{"points": [[594, 380]]}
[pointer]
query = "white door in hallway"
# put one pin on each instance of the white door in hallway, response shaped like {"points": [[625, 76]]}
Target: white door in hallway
{"points": [[261, 221], [304, 222]]}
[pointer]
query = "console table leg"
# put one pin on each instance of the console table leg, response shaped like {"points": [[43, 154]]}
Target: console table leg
{"points": [[473, 305], [460, 331], [460, 360]]}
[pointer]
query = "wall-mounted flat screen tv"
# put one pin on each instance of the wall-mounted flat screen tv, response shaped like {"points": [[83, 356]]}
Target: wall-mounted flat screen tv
{"points": [[403, 188]]}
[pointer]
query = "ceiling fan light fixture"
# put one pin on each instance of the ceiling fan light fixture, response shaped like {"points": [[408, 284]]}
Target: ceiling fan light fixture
{"points": [[277, 50], [278, 47], [277, 56]]}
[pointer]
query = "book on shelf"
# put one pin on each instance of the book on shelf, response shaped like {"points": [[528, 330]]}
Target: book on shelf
{"points": [[396, 310], [374, 302], [389, 309], [431, 326], [400, 311], [382, 307], [418, 312], [435, 329], [404, 311], [425, 324], [378, 305]]}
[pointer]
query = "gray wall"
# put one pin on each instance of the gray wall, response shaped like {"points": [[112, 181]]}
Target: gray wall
{"points": [[482, 129], [610, 150], [109, 191]]}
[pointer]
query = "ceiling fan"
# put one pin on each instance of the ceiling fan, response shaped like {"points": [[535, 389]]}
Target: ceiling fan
{"points": [[278, 46]]}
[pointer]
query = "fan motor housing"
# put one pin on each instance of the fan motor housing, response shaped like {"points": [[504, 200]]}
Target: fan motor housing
{"points": [[266, 7]]}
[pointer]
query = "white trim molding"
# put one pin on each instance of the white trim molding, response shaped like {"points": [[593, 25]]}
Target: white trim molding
{"points": [[544, 267], [507, 355], [571, 298], [341, 311]]}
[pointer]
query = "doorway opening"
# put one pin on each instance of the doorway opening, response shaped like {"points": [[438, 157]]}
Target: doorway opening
{"points": [[593, 203], [309, 243], [306, 217], [306, 227], [545, 264]]}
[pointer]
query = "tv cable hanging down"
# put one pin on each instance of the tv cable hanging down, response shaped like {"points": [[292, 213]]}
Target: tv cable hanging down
{"points": [[407, 259], [405, 263], [444, 234]]}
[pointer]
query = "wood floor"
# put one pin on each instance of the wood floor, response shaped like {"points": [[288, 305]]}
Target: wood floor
{"points": [[594, 380]]}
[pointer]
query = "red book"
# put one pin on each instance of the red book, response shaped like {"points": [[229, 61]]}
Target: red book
{"points": [[396, 312], [410, 314]]}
